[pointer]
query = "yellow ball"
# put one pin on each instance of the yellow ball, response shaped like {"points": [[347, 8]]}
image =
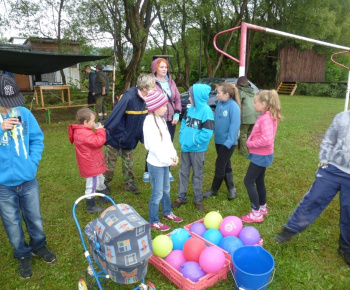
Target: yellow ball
{"points": [[162, 246], [212, 220]]}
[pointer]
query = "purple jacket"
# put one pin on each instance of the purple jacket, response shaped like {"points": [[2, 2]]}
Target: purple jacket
{"points": [[174, 105]]}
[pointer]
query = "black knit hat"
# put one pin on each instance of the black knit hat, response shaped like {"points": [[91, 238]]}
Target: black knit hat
{"points": [[10, 95]]}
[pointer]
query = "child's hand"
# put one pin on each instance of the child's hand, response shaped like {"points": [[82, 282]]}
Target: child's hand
{"points": [[9, 123], [175, 161], [98, 125]]}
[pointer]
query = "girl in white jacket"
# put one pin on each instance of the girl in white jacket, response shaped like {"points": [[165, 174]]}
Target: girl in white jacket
{"points": [[161, 155]]}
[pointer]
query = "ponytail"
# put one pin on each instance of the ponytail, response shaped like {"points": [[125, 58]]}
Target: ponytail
{"points": [[272, 101]]}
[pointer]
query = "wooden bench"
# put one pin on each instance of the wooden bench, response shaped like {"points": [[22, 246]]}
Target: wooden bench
{"points": [[49, 109]]}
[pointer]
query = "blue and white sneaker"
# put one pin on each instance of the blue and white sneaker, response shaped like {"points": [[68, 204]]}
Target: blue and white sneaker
{"points": [[171, 178], [145, 177]]}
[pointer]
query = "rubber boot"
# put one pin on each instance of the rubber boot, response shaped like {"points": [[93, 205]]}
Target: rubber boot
{"points": [[214, 187], [230, 186], [91, 206]]}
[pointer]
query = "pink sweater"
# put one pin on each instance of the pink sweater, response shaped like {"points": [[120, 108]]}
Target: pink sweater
{"points": [[262, 138]]}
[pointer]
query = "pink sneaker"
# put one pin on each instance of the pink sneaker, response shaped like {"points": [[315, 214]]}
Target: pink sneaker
{"points": [[251, 218], [160, 227], [172, 217], [263, 211]]}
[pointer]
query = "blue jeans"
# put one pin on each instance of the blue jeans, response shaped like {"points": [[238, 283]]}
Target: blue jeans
{"points": [[328, 182], [160, 192], [14, 200]]}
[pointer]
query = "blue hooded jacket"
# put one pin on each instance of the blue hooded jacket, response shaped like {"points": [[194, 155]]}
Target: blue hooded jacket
{"points": [[20, 150], [197, 125]]}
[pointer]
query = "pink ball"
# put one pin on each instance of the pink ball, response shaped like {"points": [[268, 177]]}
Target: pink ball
{"points": [[231, 226], [249, 236], [198, 228], [176, 258], [212, 259]]}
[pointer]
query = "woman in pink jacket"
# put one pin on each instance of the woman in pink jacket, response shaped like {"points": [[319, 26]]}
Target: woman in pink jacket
{"points": [[260, 144], [166, 85]]}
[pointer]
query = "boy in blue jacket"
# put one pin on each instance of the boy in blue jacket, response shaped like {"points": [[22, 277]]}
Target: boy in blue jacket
{"points": [[197, 128], [21, 145]]}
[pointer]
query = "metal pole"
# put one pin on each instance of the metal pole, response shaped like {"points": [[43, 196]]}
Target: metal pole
{"points": [[200, 51], [114, 49]]}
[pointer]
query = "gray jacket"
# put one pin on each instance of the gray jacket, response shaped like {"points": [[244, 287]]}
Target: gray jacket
{"points": [[335, 146]]}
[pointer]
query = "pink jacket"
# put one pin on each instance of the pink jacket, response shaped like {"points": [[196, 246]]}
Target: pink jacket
{"points": [[261, 140], [88, 148]]}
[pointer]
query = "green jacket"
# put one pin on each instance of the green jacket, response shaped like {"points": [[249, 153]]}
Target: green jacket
{"points": [[246, 94]]}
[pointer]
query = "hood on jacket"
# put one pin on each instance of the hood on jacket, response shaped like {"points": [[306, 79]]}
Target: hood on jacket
{"points": [[200, 95], [71, 129]]}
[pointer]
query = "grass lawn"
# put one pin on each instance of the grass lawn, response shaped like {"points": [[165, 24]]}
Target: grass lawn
{"points": [[309, 261]]}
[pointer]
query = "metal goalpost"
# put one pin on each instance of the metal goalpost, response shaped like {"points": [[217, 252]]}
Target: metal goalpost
{"points": [[243, 48]]}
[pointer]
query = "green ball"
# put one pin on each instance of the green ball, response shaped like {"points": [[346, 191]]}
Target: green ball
{"points": [[162, 246], [212, 220]]}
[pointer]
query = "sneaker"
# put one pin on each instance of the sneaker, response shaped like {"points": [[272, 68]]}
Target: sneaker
{"points": [[345, 255], [130, 186], [177, 203], [199, 206], [160, 227], [263, 211], [172, 217], [25, 267], [284, 236], [251, 218], [171, 177], [145, 177], [46, 254]]}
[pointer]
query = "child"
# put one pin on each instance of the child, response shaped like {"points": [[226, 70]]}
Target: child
{"points": [[249, 115], [333, 175], [88, 148], [161, 155], [227, 121], [196, 130], [260, 144], [21, 145]]}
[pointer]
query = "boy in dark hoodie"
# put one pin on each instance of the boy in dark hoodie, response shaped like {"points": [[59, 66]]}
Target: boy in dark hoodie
{"points": [[197, 128]]}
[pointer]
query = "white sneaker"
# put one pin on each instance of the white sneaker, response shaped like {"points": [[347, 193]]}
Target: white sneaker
{"points": [[171, 178], [145, 177]]}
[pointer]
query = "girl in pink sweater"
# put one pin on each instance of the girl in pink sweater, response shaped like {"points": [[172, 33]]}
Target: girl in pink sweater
{"points": [[260, 144]]}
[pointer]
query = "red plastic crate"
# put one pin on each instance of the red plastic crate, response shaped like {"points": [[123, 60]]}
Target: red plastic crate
{"points": [[180, 281], [184, 283]]}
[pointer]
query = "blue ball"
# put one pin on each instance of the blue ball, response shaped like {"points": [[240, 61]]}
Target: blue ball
{"points": [[213, 235], [230, 244], [179, 237]]}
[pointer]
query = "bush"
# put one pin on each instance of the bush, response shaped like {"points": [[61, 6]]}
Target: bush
{"points": [[333, 90]]}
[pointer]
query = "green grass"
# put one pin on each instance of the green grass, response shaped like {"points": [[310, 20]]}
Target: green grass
{"points": [[309, 261]]}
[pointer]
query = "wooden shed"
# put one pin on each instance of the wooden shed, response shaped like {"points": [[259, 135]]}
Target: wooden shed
{"points": [[300, 66]]}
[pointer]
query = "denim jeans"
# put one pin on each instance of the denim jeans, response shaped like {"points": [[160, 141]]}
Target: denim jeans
{"points": [[160, 192], [14, 200]]}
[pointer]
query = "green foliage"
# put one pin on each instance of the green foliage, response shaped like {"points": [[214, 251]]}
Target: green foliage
{"points": [[333, 90], [309, 261]]}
